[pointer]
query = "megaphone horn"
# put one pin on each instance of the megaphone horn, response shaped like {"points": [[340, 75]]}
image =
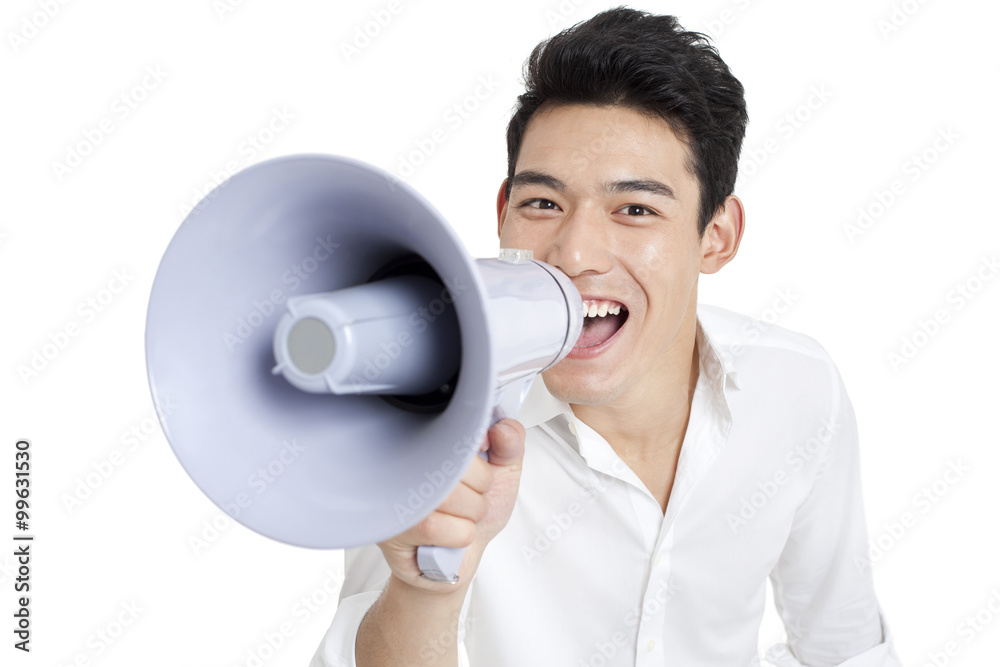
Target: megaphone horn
{"points": [[320, 321]]}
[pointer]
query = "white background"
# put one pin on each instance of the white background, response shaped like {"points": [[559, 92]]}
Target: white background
{"points": [[226, 69]]}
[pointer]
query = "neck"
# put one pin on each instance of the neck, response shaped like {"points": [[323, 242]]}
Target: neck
{"points": [[650, 418]]}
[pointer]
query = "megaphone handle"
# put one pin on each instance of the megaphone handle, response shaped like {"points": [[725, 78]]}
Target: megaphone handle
{"points": [[441, 563]]}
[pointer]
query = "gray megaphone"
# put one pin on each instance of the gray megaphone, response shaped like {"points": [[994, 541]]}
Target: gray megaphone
{"points": [[336, 355]]}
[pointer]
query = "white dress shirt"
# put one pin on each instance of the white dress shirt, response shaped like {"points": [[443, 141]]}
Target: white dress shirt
{"points": [[589, 572]]}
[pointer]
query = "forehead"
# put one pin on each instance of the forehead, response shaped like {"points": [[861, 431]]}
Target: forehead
{"points": [[586, 144]]}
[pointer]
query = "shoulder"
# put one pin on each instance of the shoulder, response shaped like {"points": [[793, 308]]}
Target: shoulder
{"points": [[732, 331], [737, 337], [770, 358]]}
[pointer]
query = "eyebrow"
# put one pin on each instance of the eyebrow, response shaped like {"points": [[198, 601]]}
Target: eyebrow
{"points": [[531, 177], [642, 185]]}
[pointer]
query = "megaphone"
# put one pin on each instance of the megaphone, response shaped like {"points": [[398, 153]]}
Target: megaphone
{"points": [[336, 356]]}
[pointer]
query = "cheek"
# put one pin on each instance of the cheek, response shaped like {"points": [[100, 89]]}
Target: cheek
{"points": [[516, 234], [655, 262], [509, 232], [666, 272], [508, 235]]}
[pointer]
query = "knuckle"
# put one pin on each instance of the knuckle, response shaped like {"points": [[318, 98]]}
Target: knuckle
{"points": [[466, 532], [431, 526]]}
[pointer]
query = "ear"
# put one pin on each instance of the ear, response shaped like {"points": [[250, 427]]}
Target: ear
{"points": [[722, 235], [501, 206]]}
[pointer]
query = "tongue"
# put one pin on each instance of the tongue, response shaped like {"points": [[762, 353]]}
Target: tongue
{"points": [[596, 330]]}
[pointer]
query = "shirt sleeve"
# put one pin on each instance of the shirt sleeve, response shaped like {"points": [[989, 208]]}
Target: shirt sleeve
{"points": [[823, 587], [365, 576]]}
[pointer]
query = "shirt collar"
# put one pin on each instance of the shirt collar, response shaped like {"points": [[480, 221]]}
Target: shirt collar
{"points": [[541, 407]]}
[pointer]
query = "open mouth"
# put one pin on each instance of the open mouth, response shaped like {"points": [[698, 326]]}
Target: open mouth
{"points": [[602, 320]]}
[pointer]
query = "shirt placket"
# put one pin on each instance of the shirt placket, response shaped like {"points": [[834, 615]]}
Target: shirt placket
{"points": [[659, 590], [709, 425]]}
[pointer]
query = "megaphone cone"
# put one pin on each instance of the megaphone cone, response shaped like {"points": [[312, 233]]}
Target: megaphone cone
{"points": [[336, 355]]}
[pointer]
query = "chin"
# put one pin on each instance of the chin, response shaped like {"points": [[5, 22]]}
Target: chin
{"points": [[580, 391]]}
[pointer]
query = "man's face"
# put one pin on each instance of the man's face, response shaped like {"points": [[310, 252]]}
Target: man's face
{"points": [[604, 195]]}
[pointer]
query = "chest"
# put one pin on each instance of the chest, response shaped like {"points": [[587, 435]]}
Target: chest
{"points": [[657, 473]]}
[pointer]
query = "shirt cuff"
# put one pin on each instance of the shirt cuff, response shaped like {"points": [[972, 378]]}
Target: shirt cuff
{"points": [[881, 655]]}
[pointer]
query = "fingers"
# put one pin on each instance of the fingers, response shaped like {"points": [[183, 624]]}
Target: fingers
{"points": [[453, 523], [466, 503], [474, 508], [443, 530], [478, 476]]}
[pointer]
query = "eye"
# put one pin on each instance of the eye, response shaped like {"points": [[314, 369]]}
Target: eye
{"points": [[635, 210], [541, 204]]}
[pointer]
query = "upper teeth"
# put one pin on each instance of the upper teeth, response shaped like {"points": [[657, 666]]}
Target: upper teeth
{"points": [[600, 308]]}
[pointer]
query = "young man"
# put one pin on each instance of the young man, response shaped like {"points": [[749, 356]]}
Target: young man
{"points": [[680, 456]]}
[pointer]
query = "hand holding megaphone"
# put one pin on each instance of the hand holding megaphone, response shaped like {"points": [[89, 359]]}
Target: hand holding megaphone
{"points": [[472, 515], [336, 354]]}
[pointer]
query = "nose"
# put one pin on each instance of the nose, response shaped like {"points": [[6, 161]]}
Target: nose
{"points": [[582, 243]]}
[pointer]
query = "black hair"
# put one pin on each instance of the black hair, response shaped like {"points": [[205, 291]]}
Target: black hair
{"points": [[648, 63]]}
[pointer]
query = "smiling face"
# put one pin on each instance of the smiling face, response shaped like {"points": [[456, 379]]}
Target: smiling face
{"points": [[604, 194]]}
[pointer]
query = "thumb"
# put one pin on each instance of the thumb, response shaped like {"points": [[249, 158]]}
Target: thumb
{"points": [[506, 440]]}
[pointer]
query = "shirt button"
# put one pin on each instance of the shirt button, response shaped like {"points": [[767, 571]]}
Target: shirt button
{"points": [[659, 556], [651, 644], [572, 428]]}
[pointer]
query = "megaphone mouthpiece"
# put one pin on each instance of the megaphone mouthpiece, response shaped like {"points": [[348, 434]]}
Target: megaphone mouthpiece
{"points": [[370, 339]]}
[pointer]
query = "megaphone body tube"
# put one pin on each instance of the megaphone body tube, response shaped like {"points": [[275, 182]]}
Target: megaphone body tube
{"points": [[531, 319]]}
